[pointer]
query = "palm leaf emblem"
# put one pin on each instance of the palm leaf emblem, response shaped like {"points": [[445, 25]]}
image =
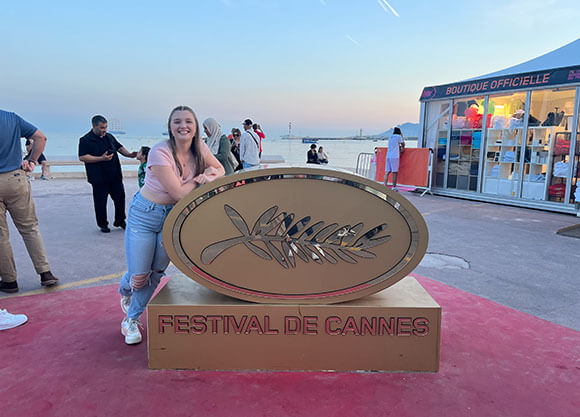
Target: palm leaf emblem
{"points": [[285, 240]]}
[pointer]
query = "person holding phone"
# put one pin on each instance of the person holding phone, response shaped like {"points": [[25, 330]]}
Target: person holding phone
{"points": [[98, 150]]}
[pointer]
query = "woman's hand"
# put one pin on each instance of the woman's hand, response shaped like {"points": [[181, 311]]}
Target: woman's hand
{"points": [[210, 174], [201, 179]]}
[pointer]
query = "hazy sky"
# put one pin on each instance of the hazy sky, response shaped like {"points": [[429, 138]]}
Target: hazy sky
{"points": [[329, 66]]}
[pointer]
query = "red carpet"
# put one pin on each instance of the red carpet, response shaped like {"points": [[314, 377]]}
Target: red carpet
{"points": [[70, 360]]}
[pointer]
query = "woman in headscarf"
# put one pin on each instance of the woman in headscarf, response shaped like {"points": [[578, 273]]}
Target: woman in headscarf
{"points": [[218, 144]]}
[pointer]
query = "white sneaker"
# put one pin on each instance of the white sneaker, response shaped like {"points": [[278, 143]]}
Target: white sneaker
{"points": [[395, 189], [125, 303], [130, 329], [8, 321]]}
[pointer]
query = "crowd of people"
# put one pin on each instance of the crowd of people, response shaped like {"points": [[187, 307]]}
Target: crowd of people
{"points": [[167, 172]]}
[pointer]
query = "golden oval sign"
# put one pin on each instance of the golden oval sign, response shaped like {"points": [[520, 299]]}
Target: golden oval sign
{"points": [[295, 235]]}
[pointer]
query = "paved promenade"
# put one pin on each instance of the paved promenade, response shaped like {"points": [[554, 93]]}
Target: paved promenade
{"points": [[509, 255], [510, 345]]}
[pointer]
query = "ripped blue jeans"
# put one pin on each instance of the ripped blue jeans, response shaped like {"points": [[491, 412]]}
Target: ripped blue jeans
{"points": [[146, 258]]}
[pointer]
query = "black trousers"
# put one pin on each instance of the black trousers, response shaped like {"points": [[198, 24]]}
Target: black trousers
{"points": [[100, 194]]}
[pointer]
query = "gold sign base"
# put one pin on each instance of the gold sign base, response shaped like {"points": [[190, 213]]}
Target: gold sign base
{"points": [[192, 327]]}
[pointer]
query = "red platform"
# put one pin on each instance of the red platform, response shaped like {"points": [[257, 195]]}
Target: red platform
{"points": [[70, 360]]}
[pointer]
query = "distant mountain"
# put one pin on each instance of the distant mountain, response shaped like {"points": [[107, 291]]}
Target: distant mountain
{"points": [[408, 129]]}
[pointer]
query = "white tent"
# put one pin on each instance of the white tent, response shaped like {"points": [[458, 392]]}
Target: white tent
{"points": [[554, 80], [565, 56]]}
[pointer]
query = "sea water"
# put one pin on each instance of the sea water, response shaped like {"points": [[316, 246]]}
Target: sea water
{"points": [[342, 153]]}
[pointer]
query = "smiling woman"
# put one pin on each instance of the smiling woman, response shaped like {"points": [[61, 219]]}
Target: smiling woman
{"points": [[175, 167]]}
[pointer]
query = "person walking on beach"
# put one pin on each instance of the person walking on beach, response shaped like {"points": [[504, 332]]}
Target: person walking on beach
{"points": [[45, 173], [218, 144], [312, 155], [16, 198], [174, 168], [258, 131], [249, 146], [142, 158], [396, 146], [98, 150]]}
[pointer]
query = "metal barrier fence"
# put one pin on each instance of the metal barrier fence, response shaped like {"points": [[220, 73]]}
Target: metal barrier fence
{"points": [[365, 165]]}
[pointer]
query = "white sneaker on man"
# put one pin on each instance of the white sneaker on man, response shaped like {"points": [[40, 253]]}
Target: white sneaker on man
{"points": [[9, 321], [125, 303], [130, 329]]}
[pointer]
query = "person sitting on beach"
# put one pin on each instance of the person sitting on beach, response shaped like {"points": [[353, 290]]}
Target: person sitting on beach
{"points": [[142, 157], [312, 155], [45, 173], [322, 156], [218, 144], [174, 168]]}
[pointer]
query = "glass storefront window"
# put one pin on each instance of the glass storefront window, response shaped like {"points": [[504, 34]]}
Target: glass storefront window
{"points": [[575, 189], [436, 129], [547, 153], [527, 153], [503, 143], [465, 143]]}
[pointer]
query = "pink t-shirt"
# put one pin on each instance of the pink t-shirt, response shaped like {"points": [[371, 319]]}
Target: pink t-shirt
{"points": [[161, 155]]}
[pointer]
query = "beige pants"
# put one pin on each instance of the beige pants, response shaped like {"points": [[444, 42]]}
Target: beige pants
{"points": [[16, 198]]}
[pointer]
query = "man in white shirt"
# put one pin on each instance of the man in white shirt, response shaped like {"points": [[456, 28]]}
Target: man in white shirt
{"points": [[249, 146], [396, 145]]}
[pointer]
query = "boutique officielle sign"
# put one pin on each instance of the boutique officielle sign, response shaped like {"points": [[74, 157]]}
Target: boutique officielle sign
{"points": [[295, 235], [528, 80]]}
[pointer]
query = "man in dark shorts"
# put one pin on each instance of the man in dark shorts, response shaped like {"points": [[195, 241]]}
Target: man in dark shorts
{"points": [[98, 150], [45, 173]]}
